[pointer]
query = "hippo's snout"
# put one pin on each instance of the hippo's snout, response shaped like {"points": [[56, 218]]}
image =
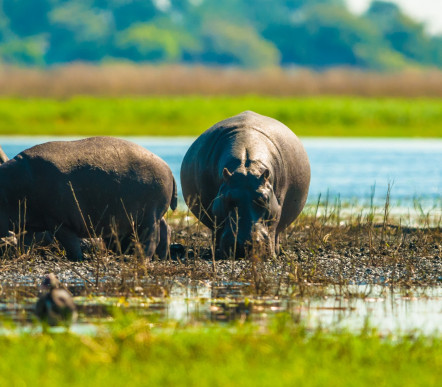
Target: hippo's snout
{"points": [[240, 246]]}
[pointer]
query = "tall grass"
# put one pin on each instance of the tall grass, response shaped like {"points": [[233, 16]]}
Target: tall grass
{"points": [[191, 115], [129, 79]]}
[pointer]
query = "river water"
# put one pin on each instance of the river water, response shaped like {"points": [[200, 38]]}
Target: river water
{"points": [[349, 168]]}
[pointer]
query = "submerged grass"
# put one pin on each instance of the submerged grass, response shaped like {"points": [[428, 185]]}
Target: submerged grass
{"points": [[191, 115], [133, 351]]}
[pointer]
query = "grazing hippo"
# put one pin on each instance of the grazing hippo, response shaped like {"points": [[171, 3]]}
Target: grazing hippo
{"points": [[99, 186], [3, 157], [247, 179]]}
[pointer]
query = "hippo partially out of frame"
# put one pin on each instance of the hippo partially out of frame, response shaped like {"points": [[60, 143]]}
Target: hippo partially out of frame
{"points": [[96, 187], [247, 179]]}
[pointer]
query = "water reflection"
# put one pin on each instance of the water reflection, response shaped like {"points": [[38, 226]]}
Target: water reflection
{"points": [[387, 311]]}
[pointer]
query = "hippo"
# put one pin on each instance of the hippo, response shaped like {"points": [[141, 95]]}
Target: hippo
{"points": [[247, 179], [96, 187]]}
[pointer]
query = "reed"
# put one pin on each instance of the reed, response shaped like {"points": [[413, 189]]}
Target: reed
{"points": [[317, 252]]}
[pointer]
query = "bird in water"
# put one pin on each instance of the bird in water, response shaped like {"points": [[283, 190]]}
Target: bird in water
{"points": [[55, 306]]}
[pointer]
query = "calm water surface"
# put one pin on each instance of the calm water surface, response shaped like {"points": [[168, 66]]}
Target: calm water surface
{"points": [[348, 168], [387, 311]]}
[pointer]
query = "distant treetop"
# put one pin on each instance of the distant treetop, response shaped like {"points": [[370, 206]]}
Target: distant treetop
{"points": [[244, 33]]}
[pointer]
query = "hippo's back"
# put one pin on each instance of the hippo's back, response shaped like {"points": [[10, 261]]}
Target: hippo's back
{"points": [[276, 131], [209, 146], [96, 153]]}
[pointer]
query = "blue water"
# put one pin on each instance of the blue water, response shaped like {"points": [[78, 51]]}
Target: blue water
{"points": [[349, 168]]}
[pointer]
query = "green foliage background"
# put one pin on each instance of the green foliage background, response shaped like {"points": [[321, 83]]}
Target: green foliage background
{"points": [[247, 33]]}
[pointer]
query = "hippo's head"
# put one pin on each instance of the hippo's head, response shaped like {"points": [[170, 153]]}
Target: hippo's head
{"points": [[246, 212]]}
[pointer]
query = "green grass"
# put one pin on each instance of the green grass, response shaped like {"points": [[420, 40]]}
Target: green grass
{"points": [[190, 116], [132, 353]]}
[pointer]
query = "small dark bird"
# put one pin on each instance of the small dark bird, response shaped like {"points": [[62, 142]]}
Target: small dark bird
{"points": [[55, 306]]}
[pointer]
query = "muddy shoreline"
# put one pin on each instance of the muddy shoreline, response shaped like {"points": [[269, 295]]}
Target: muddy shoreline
{"points": [[315, 254]]}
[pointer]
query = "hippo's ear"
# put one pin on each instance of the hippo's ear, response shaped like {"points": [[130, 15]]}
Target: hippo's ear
{"points": [[226, 174], [265, 175]]}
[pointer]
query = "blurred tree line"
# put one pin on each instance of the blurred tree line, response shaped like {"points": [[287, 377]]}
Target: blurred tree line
{"points": [[246, 33]]}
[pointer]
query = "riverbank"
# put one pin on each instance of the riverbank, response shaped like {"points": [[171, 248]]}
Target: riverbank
{"points": [[191, 115], [322, 248]]}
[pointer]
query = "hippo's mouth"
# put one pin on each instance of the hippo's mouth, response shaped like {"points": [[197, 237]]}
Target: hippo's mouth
{"points": [[237, 246]]}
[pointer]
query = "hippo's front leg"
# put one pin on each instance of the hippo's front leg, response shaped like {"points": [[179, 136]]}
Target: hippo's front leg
{"points": [[277, 248], [4, 225], [4, 230], [71, 243]]}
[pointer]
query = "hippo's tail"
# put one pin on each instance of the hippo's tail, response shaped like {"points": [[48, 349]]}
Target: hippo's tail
{"points": [[174, 199]]}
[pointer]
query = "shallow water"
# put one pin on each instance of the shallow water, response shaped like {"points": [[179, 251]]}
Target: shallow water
{"points": [[389, 312], [347, 167]]}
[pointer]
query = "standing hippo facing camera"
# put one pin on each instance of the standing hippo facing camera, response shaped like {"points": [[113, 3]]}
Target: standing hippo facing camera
{"points": [[99, 186], [247, 179]]}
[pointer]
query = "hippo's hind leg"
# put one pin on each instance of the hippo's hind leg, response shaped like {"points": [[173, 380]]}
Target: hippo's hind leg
{"points": [[41, 238], [149, 236], [127, 244], [71, 243], [122, 244], [153, 235], [162, 250]]}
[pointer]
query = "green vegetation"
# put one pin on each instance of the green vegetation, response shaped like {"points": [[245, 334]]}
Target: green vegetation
{"points": [[190, 116], [245, 33], [132, 352]]}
